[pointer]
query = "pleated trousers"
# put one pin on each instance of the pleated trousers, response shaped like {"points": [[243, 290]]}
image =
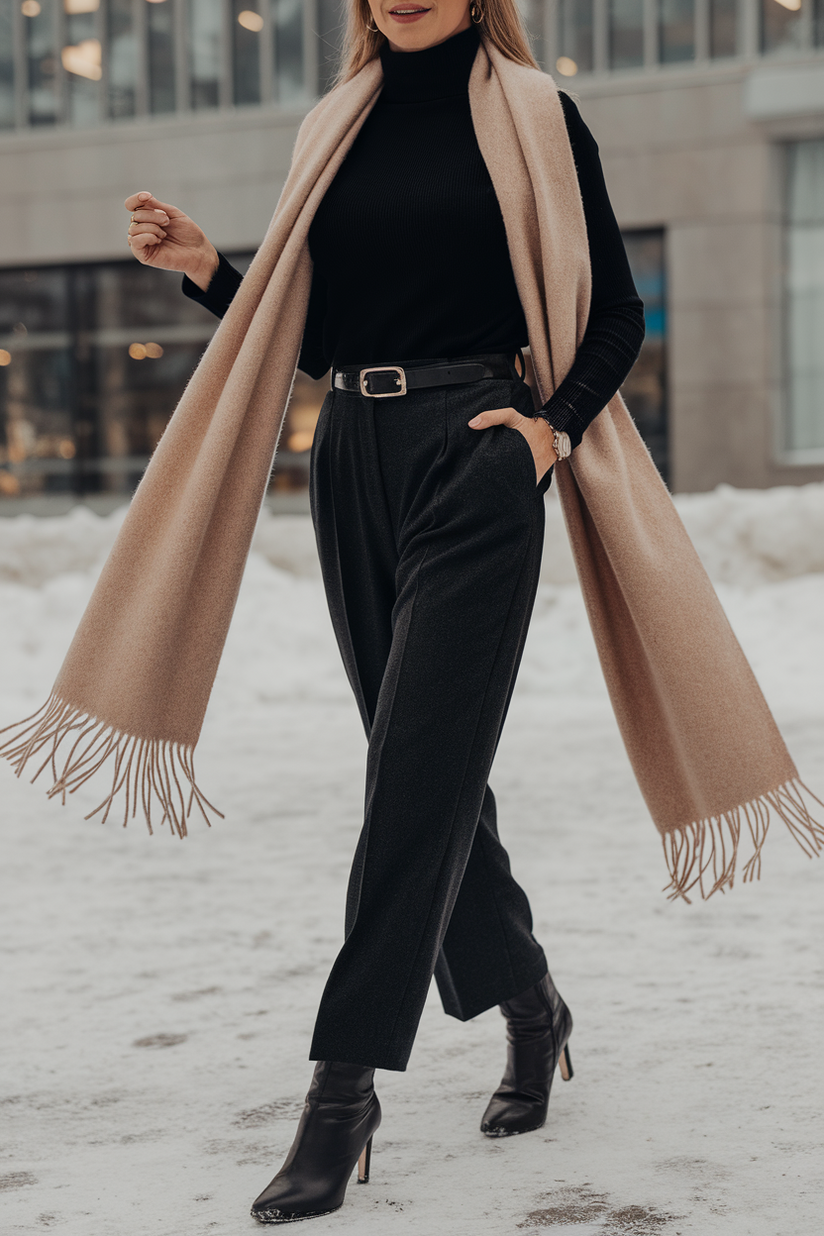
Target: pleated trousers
{"points": [[430, 537]]}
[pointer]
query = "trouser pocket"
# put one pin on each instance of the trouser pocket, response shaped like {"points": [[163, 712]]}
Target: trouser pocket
{"points": [[521, 399]]}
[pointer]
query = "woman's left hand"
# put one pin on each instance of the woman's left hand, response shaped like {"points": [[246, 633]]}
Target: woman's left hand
{"points": [[534, 428]]}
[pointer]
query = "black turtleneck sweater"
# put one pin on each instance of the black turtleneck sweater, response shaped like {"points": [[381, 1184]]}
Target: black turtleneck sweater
{"points": [[409, 251]]}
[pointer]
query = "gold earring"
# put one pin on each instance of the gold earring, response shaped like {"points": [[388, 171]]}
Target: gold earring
{"points": [[473, 9]]}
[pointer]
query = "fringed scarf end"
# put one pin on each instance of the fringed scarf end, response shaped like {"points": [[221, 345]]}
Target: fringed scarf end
{"points": [[146, 770], [705, 853]]}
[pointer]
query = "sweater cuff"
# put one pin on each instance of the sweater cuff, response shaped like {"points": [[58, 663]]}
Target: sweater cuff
{"points": [[563, 418], [223, 285]]}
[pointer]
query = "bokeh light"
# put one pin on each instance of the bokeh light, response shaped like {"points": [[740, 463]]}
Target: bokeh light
{"points": [[566, 66], [250, 20]]}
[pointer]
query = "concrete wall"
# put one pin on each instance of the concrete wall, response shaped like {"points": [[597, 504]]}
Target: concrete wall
{"points": [[699, 152], [62, 191]]}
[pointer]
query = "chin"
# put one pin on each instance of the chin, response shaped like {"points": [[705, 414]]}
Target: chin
{"points": [[418, 36]]}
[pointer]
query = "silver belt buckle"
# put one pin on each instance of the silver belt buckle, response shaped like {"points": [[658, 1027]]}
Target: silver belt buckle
{"points": [[383, 369]]}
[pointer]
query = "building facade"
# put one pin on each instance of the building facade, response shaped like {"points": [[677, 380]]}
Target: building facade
{"points": [[710, 119], [709, 115]]}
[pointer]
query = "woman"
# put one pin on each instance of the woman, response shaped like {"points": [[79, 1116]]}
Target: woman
{"points": [[428, 471]]}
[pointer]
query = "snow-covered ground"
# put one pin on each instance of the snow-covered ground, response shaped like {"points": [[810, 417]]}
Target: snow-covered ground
{"points": [[158, 996]]}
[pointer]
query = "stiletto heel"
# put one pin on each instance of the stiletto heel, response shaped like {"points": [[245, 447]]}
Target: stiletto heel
{"points": [[364, 1162], [340, 1116], [538, 1026]]}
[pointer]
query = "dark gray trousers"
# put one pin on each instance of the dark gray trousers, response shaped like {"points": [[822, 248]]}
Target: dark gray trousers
{"points": [[430, 537]]}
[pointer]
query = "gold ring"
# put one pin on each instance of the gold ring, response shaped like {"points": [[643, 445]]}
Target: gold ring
{"points": [[132, 219]]}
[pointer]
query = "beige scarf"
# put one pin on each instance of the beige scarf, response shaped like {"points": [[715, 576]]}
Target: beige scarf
{"points": [[135, 683]]}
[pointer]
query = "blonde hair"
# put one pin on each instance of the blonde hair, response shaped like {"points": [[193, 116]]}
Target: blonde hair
{"points": [[501, 23]]}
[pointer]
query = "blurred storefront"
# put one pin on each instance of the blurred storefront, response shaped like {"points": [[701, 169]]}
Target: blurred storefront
{"points": [[94, 360], [710, 119]]}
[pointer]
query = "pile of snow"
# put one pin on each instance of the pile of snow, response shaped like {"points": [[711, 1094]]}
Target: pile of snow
{"points": [[752, 536], [34, 549], [744, 537]]}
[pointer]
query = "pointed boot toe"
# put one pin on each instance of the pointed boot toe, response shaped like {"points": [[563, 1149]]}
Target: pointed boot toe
{"points": [[509, 1113], [335, 1132], [538, 1026]]}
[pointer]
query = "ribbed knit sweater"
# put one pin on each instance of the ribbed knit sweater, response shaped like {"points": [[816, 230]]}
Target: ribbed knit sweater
{"points": [[409, 251]]}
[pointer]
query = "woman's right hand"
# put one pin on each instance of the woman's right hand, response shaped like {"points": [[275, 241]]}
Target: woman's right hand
{"points": [[161, 235]]}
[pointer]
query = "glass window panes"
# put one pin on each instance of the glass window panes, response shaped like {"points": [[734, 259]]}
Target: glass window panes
{"points": [[69, 53], [123, 58], [287, 32], [82, 56], [805, 296], [37, 439], [645, 389], [85, 61], [677, 30], [626, 34], [160, 23], [247, 28], [36, 436], [93, 361], [98, 356], [7, 8], [575, 37], [205, 39], [31, 301], [40, 37], [782, 25], [723, 28]]}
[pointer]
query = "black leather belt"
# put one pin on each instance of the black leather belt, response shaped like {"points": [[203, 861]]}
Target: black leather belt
{"points": [[382, 381]]}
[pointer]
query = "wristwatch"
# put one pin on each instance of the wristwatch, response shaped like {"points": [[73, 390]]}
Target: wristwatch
{"points": [[561, 442]]}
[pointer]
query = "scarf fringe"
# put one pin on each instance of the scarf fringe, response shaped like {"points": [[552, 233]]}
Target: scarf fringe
{"points": [[705, 853], [145, 769]]}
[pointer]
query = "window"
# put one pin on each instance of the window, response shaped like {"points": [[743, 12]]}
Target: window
{"points": [[7, 64], [645, 390], [160, 24], [205, 25], [81, 55], [723, 28], [80, 62], [40, 39], [287, 32], [626, 34], [782, 25], [804, 423], [677, 31], [122, 59], [247, 27], [93, 360], [576, 37]]}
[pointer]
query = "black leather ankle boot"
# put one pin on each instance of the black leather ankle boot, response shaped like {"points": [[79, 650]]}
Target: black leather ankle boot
{"points": [[538, 1025], [335, 1131]]}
